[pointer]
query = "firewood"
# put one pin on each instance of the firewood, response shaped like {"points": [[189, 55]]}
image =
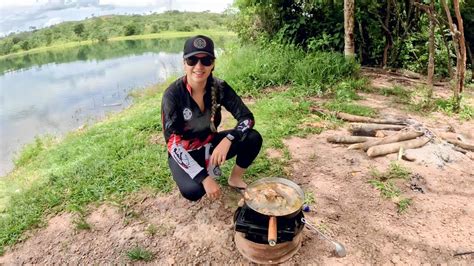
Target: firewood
{"points": [[466, 146], [395, 147], [363, 119], [384, 133], [348, 139], [451, 136], [358, 129], [400, 136]]}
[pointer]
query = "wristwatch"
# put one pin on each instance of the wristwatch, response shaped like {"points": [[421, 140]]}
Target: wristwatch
{"points": [[230, 137]]}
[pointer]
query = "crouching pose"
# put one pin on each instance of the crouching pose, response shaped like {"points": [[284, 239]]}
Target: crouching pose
{"points": [[191, 113]]}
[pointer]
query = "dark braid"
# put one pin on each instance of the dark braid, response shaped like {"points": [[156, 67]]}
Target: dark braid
{"points": [[214, 104]]}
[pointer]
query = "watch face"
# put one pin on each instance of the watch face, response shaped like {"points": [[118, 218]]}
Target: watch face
{"points": [[230, 137]]}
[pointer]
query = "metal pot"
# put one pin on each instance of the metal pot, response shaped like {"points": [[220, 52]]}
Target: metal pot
{"points": [[296, 198]]}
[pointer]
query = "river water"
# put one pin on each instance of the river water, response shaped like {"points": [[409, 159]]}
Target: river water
{"points": [[55, 92]]}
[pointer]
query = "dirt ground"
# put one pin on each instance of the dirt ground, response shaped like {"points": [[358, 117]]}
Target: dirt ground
{"points": [[437, 225]]}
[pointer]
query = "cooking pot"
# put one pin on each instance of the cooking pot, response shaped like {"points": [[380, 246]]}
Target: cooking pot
{"points": [[274, 196]]}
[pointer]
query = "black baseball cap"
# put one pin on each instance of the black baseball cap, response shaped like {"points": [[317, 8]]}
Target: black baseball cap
{"points": [[198, 44]]}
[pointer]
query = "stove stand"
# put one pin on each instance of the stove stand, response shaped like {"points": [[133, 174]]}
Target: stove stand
{"points": [[251, 236]]}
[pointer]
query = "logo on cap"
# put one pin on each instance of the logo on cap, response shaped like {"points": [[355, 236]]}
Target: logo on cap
{"points": [[199, 43]]}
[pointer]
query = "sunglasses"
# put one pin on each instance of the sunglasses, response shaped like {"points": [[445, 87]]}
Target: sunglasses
{"points": [[205, 61]]}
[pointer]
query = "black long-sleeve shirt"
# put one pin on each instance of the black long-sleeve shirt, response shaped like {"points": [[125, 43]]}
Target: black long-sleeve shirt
{"points": [[187, 128]]}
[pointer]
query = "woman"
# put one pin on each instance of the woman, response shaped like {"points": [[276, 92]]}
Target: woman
{"points": [[191, 112]]}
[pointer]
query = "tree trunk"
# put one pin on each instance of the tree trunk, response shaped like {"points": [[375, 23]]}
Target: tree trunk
{"points": [[460, 48], [431, 48], [349, 28], [388, 36]]}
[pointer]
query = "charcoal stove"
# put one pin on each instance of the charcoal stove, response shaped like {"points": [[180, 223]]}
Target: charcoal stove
{"points": [[251, 236]]}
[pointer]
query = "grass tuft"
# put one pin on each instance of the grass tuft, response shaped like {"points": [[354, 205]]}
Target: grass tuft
{"points": [[81, 224], [139, 253], [403, 205], [387, 189]]}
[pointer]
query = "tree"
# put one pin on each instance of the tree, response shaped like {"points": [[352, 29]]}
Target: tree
{"points": [[457, 31], [430, 10], [79, 29], [349, 28]]}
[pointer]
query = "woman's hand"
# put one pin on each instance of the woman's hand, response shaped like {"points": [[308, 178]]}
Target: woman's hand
{"points": [[220, 152], [213, 190]]}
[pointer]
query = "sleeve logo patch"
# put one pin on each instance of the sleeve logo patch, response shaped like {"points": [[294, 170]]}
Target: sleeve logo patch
{"points": [[187, 114]]}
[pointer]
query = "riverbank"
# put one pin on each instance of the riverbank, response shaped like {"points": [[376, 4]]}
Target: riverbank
{"points": [[121, 162], [164, 228], [162, 35]]}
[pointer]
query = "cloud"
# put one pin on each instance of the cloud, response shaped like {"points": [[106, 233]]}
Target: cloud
{"points": [[53, 21]]}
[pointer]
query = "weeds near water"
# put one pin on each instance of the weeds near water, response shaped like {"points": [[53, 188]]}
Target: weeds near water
{"points": [[139, 253]]}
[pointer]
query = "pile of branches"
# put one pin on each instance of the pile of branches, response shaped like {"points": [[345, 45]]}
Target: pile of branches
{"points": [[379, 137]]}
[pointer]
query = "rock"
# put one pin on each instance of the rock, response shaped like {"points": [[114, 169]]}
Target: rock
{"points": [[395, 259]]}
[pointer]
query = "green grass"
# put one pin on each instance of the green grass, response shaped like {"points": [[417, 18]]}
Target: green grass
{"points": [[139, 254], [387, 189], [80, 223], [350, 108], [115, 158], [403, 205], [383, 181], [401, 95], [394, 171], [252, 68], [309, 198]]}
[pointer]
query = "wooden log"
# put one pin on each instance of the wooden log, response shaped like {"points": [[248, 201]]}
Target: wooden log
{"points": [[395, 147], [451, 136], [400, 136], [363, 119], [384, 133], [348, 139], [466, 146], [359, 129]]}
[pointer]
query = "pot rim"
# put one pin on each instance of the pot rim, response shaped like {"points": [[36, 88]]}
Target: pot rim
{"points": [[280, 180]]}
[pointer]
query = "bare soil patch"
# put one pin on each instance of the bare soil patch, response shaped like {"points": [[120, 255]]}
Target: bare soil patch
{"points": [[437, 225]]}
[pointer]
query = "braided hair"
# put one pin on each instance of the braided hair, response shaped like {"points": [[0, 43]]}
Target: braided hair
{"points": [[214, 103]]}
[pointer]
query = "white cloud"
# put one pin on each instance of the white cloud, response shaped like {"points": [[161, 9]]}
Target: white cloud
{"points": [[53, 21]]}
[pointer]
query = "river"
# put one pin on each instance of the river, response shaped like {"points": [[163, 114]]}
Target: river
{"points": [[54, 92]]}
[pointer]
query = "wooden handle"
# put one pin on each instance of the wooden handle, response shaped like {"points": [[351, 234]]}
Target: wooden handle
{"points": [[272, 231]]}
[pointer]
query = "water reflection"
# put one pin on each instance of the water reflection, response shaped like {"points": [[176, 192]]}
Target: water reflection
{"points": [[97, 52], [52, 98]]}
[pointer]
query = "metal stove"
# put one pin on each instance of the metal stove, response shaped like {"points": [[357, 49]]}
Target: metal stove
{"points": [[251, 236]]}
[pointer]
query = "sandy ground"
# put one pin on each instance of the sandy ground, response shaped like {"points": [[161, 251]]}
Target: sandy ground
{"points": [[437, 225]]}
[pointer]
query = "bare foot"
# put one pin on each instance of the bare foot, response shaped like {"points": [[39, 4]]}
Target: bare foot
{"points": [[236, 182]]}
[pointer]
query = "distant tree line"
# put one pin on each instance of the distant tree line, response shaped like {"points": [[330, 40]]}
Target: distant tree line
{"points": [[105, 27], [387, 33]]}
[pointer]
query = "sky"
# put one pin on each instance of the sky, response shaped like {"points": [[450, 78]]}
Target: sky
{"points": [[23, 15]]}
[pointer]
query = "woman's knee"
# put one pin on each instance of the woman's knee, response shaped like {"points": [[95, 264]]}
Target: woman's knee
{"points": [[193, 194], [254, 138]]}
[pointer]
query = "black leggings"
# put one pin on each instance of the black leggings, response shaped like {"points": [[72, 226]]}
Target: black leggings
{"points": [[246, 151]]}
